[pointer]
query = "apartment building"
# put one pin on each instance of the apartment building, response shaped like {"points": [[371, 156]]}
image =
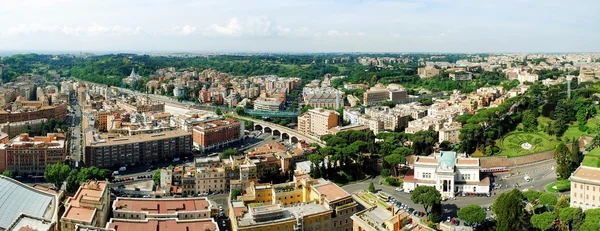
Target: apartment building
{"points": [[25, 154], [450, 133], [89, 206], [376, 95], [104, 151], [585, 188], [427, 72], [391, 119], [351, 116], [58, 113], [461, 76], [527, 77], [217, 133], [268, 104], [317, 122], [373, 124], [168, 224]]}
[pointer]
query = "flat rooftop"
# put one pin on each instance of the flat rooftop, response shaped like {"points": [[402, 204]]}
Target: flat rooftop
{"points": [[92, 192], [29, 223], [99, 141], [331, 191], [161, 206], [300, 210], [163, 225], [588, 173]]}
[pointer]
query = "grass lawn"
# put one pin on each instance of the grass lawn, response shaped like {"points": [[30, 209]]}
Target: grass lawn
{"points": [[574, 132], [511, 144], [592, 158], [550, 188]]}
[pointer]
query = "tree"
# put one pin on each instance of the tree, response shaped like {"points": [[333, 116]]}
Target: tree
{"points": [[218, 111], [435, 215], [529, 121], [240, 111], [575, 154], [563, 202], [471, 214], [371, 187], [548, 199], [509, 211], [235, 193], [571, 217], [72, 184], [57, 174], [394, 160], [93, 173], [543, 221], [156, 177], [426, 196], [532, 195], [445, 145], [228, 152], [563, 161], [385, 172], [7, 173]]}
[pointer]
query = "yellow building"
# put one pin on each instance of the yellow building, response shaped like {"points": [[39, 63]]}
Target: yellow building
{"points": [[304, 204], [317, 122], [89, 206]]}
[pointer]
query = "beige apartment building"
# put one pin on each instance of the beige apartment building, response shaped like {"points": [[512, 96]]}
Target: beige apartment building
{"points": [[376, 95], [374, 124], [211, 179], [150, 208], [585, 188], [450, 134], [89, 206], [427, 72], [317, 122]]}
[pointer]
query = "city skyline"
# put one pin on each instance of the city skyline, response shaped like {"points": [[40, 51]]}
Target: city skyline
{"points": [[429, 26]]}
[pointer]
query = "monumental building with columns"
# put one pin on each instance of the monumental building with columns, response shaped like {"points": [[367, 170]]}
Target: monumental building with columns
{"points": [[448, 173]]}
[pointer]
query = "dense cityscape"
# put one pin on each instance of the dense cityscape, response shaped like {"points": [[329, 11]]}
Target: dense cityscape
{"points": [[357, 142], [286, 115]]}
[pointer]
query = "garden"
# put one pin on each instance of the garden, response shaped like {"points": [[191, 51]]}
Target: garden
{"points": [[524, 143]]}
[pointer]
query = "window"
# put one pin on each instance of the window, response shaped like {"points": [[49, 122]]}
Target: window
{"points": [[426, 175], [587, 187], [466, 176]]}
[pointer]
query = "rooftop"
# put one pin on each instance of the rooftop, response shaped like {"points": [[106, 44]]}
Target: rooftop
{"points": [[90, 192], [29, 223], [161, 206], [96, 140], [163, 225], [588, 173], [331, 192], [17, 198]]}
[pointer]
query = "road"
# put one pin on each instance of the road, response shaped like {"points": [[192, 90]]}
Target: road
{"points": [[542, 174], [76, 137]]}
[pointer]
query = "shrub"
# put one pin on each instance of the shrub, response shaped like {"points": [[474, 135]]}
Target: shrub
{"points": [[583, 128], [563, 185], [392, 181], [385, 172]]}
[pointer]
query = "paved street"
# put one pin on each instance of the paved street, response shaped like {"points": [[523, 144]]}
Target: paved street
{"points": [[76, 139], [542, 174]]}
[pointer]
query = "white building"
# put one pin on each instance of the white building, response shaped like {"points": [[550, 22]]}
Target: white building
{"points": [[527, 77], [448, 173], [351, 116]]}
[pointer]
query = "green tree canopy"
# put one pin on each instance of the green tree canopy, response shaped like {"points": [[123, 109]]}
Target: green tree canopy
{"points": [[7, 173], [544, 221], [156, 177], [509, 211], [371, 187], [57, 174], [471, 214], [532, 195], [394, 160], [426, 196], [548, 199], [563, 161], [72, 183], [571, 218], [235, 193], [228, 152]]}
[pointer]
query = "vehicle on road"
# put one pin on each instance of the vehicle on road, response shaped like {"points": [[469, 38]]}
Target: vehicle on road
{"points": [[115, 173]]}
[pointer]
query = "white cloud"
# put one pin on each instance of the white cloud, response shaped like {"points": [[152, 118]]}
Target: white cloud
{"points": [[185, 30], [233, 28], [93, 30]]}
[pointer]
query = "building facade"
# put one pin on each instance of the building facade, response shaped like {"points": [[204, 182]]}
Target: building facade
{"points": [[217, 133], [317, 122], [585, 188], [89, 206], [25, 154], [109, 152], [449, 174]]}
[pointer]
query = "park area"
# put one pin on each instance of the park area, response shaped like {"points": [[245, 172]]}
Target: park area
{"points": [[524, 143]]}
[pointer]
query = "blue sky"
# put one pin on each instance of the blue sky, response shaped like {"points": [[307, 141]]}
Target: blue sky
{"points": [[301, 26]]}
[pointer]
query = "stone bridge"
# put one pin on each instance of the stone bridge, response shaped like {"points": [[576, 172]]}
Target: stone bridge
{"points": [[285, 133]]}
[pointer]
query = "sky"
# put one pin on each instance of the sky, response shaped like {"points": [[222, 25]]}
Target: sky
{"points": [[463, 26]]}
